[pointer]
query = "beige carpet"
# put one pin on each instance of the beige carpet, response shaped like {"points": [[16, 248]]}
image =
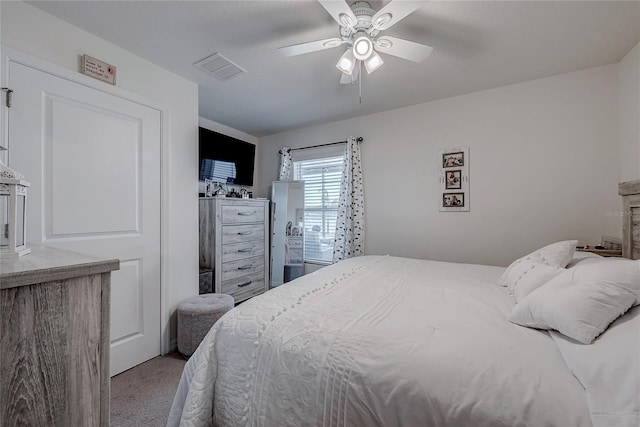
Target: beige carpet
{"points": [[142, 395]]}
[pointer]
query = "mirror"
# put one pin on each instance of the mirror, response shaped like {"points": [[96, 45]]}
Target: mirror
{"points": [[287, 231]]}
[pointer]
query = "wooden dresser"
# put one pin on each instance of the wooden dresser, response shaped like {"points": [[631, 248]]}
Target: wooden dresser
{"points": [[630, 192], [234, 244], [54, 339]]}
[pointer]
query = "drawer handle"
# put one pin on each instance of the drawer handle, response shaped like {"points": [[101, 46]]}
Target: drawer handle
{"points": [[244, 233], [243, 251], [245, 213], [245, 267], [242, 285]]}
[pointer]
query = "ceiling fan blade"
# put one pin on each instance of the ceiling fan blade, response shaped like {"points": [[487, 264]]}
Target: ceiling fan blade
{"points": [[302, 48], [404, 49], [346, 79], [393, 12], [340, 11]]}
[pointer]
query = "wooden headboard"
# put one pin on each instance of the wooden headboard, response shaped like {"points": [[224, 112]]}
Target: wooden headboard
{"points": [[630, 192]]}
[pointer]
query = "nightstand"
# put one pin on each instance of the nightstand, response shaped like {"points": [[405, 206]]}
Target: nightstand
{"points": [[602, 252]]}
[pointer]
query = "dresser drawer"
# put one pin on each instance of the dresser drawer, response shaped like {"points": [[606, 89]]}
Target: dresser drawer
{"points": [[248, 293], [240, 214], [241, 286], [242, 250], [242, 233], [242, 267]]}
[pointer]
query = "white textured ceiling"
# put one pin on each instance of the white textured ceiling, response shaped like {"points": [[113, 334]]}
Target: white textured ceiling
{"points": [[478, 45]]}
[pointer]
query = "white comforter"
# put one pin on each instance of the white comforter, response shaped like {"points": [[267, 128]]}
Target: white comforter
{"points": [[379, 341]]}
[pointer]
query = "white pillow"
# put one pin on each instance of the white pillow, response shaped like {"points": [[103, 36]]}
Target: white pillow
{"points": [[527, 276], [580, 256], [581, 302], [531, 271], [609, 370]]}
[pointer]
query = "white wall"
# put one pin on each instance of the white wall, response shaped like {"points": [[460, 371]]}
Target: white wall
{"points": [[29, 30], [629, 114], [226, 130], [544, 167]]}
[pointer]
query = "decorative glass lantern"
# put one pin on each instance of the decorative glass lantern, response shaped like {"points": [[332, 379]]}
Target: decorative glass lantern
{"points": [[13, 211]]}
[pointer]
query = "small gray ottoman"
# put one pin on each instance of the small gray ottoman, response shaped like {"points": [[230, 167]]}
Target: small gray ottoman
{"points": [[196, 315]]}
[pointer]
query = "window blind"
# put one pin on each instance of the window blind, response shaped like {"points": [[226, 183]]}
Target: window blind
{"points": [[217, 170], [321, 196]]}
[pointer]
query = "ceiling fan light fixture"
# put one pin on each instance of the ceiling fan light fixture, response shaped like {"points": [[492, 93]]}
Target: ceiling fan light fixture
{"points": [[347, 62], [362, 47], [382, 20], [360, 29], [346, 20], [373, 62]]}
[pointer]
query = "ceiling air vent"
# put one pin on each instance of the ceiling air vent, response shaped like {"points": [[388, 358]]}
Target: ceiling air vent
{"points": [[219, 67]]}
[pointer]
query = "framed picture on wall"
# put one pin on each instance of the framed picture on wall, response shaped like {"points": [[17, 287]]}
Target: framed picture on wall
{"points": [[453, 160], [450, 200], [453, 180]]}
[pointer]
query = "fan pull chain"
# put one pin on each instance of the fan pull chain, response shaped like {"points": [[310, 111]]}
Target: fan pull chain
{"points": [[360, 79]]}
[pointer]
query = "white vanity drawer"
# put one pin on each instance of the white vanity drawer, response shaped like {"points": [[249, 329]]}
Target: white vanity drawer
{"points": [[240, 214], [242, 250], [294, 256], [294, 242], [242, 233], [242, 267]]}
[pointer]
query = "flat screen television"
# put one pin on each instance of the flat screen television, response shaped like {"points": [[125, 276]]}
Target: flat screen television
{"points": [[225, 159]]}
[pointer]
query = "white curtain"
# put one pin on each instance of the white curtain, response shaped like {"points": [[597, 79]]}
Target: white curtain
{"points": [[286, 165], [349, 240]]}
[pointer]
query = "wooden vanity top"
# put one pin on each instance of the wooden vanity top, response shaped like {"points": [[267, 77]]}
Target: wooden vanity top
{"points": [[46, 264]]}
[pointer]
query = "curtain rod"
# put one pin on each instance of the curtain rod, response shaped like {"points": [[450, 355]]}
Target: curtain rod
{"points": [[358, 139]]}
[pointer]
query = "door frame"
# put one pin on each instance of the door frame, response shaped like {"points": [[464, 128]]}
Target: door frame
{"points": [[8, 55]]}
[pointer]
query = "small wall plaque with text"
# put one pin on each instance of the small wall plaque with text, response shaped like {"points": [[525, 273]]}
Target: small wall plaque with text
{"points": [[98, 70]]}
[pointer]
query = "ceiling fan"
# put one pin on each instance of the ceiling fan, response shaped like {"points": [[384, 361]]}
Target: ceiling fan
{"points": [[360, 28]]}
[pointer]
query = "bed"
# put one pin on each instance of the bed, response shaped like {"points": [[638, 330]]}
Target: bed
{"points": [[388, 341]]}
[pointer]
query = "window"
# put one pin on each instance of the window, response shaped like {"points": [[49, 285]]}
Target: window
{"points": [[321, 197]]}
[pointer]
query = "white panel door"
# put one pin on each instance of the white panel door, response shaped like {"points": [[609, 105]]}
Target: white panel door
{"points": [[93, 160]]}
